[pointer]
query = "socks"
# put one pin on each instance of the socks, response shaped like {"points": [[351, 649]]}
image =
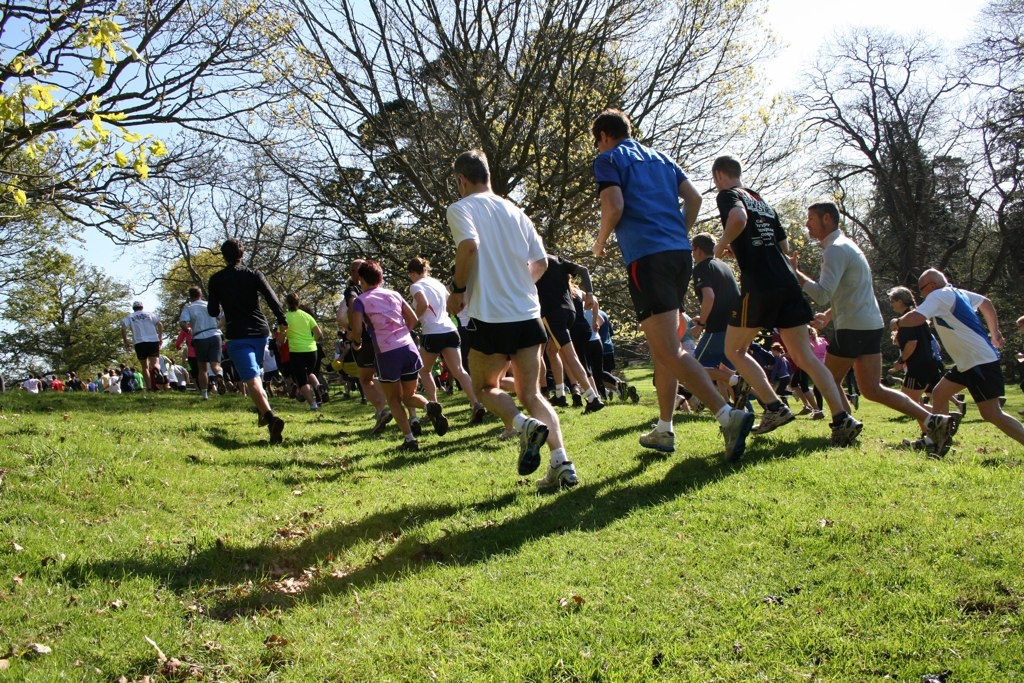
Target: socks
{"points": [[558, 456], [518, 421], [559, 390], [723, 415], [664, 425], [591, 395]]}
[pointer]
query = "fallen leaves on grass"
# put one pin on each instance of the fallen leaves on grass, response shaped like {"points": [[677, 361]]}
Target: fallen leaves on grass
{"points": [[16, 548], [573, 603], [274, 640], [19, 579]]}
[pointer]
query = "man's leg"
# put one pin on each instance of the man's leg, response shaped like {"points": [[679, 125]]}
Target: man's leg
{"points": [[202, 378], [868, 371], [737, 341], [486, 371], [992, 412], [661, 330], [526, 365]]}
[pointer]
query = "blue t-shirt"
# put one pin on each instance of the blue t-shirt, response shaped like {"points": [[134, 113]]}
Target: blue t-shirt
{"points": [[652, 220]]}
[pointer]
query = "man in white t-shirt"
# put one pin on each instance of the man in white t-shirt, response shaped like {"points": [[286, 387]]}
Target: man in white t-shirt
{"points": [[975, 355], [32, 385], [499, 257], [206, 340], [147, 333]]}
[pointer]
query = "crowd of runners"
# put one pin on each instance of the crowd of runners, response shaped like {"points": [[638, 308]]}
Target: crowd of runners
{"points": [[514, 319]]}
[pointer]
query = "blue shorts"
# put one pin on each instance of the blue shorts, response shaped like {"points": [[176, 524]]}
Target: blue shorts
{"points": [[710, 351], [247, 355]]}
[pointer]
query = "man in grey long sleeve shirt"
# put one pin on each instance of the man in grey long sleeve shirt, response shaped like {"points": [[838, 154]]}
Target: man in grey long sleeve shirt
{"points": [[845, 282]]}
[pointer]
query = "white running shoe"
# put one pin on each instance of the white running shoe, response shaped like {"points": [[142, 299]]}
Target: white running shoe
{"points": [[563, 476]]}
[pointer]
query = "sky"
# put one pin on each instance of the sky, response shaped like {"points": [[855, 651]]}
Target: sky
{"points": [[801, 25]]}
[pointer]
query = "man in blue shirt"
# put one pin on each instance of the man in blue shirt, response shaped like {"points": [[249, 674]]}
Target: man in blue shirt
{"points": [[640, 190]]}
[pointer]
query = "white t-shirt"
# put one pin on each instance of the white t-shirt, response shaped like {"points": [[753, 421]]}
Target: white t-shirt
{"points": [[203, 324], [143, 326], [960, 330], [435, 319], [31, 385], [500, 288]]}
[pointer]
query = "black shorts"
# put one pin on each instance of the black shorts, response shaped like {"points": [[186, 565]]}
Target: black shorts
{"points": [[985, 381], [800, 380], [364, 356], [558, 323], [208, 350], [658, 282], [303, 363], [856, 343], [506, 339], [768, 308], [436, 343], [923, 379], [144, 350]]}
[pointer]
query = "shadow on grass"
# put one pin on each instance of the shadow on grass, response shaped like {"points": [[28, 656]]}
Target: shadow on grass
{"points": [[246, 579]]}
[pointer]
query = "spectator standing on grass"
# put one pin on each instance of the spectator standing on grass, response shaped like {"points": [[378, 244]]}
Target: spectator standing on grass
{"points": [[975, 354], [846, 283], [32, 385], [303, 333], [147, 334], [499, 258], [439, 335], [237, 290], [390, 320], [640, 190], [770, 297]]}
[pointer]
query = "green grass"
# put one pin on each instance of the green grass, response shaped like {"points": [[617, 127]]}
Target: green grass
{"points": [[335, 557]]}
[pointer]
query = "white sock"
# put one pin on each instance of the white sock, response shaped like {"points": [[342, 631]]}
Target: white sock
{"points": [[664, 425], [410, 437], [734, 380], [558, 456], [559, 390], [591, 395], [723, 415], [518, 421]]}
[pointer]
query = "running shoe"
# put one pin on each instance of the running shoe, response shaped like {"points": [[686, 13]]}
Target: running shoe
{"points": [[659, 441], [954, 423], [562, 476], [276, 428], [409, 445], [264, 419], [314, 408], [915, 445], [577, 400], [435, 413], [741, 393], [531, 438], [508, 434], [478, 414], [960, 403], [738, 426], [593, 406], [633, 396], [383, 417], [560, 402], [938, 429], [621, 387], [415, 427], [817, 415], [806, 410], [773, 419], [846, 432]]}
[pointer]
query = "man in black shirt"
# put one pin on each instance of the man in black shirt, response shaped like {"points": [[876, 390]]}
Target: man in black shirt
{"points": [[237, 289], [770, 298]]}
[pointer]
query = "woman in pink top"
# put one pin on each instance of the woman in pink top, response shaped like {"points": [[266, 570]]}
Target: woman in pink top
{"points": [[389, 319]]}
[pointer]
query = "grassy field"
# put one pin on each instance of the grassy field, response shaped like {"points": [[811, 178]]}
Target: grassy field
{"points": [[161, 538]]}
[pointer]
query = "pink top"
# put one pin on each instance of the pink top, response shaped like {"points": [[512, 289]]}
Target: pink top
{"points": [[820, 348], [383, 318]]}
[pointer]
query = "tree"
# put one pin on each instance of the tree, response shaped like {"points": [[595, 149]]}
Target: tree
{"points": [[83, 82], [877, 105], [67, 316], [995, 65], [384, 99]]}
